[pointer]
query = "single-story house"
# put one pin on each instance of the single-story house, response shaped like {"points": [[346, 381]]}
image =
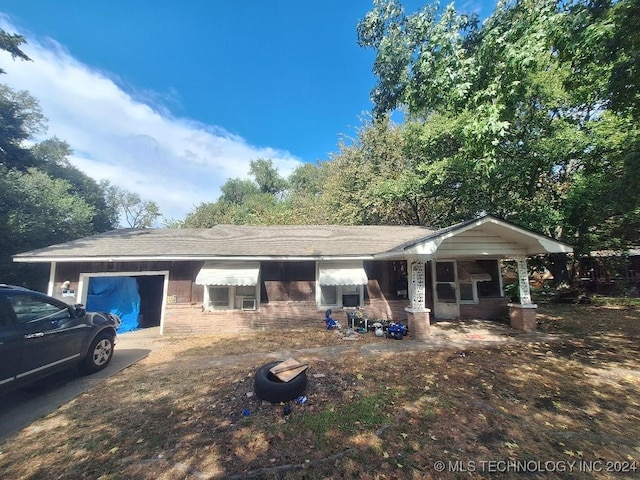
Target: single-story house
{"points": [[239, 277]]}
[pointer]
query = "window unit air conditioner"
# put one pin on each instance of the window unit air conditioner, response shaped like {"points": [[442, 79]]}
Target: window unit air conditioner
{"points": [[246, 303]]}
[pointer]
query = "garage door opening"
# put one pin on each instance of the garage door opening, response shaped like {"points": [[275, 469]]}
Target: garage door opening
{"points": [[151, 288], [137, 299]]}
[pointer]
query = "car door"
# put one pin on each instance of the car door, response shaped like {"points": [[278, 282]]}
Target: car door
{"points": [[10, 345], [51, 335]]}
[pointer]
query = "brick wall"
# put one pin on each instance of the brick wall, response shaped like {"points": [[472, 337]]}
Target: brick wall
{"points": [[186, 319], [488, 308]]}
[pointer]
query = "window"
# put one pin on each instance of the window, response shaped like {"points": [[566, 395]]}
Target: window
{"points": [[229, 297], [398, 278], [478, 279], [32, 309], [445, 272], [328, 295], [340, 283], [490, 288], [341, 295], [468, 292], [246, 291], [218, 298]]}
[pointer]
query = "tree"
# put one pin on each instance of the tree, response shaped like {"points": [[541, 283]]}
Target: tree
{"points": [[372, 180], [43, 199], [135, 212], [52, 155], [515, 117], [267, 176], [20, 119], [245, 201], [10, 42], [37, 210]]}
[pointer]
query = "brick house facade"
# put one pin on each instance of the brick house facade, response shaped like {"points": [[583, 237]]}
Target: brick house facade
{"points": [[238, 278]]}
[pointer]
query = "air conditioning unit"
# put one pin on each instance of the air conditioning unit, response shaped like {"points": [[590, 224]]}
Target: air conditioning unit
{"points": [[246, 303]]}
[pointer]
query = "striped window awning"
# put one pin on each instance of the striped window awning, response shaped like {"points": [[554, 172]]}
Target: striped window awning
{"points": [[342, 273], [229, 273]]}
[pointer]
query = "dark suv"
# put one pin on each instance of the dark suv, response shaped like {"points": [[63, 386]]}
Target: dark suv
{"points": [[40, 335]]}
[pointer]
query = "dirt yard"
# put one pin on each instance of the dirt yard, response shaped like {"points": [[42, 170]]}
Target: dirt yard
{"points": [[564, 404]]}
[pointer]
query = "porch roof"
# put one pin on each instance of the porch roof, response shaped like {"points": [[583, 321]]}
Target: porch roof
{"points": [[485, 236]]}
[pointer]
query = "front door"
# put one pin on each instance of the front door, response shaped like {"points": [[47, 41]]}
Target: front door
{"points": [[445, 292]]}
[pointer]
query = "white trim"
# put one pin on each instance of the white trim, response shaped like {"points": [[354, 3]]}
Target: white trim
{"points": [[83, 286], [52, 279], [156, 258]]}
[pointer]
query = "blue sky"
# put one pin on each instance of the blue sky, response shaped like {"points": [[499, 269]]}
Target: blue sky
{"points": [[171, 99]]}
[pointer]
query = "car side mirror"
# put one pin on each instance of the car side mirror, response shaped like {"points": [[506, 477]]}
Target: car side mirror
{"points": [[79, 310]]}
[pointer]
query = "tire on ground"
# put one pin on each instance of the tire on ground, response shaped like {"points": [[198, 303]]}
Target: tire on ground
{"points": [[268, 387], [99, 353]]}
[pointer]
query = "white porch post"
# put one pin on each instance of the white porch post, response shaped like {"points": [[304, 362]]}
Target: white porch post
{"points": [[523, 314], [523, 280], [416, 270], [417, 313]]}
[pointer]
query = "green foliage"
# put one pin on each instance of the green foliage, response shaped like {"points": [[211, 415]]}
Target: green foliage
{"points": [[269, 199], [52, 157], [267, 176], [43, 199], [37, 210], [530, 116], [134, 212], [20, 119], [10, 42]]}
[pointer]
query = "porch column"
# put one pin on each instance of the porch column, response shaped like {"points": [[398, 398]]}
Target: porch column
{"points": [[523, 314], [417, 313]]}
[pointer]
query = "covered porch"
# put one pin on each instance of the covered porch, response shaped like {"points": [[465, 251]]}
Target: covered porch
{"points": [[455, 273]]}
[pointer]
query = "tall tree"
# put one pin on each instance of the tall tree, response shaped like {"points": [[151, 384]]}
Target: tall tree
{"points": [[133, 211], [20, 119], [267, 176], [43, 199], [37, 210], [510, 117]]}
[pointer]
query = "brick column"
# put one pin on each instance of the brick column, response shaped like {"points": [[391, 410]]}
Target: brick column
{"points": [[419, 323], [523, 317], [523, 314]]}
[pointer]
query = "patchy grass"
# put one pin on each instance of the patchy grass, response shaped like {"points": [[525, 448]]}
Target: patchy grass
{"points": [[571, 396]]}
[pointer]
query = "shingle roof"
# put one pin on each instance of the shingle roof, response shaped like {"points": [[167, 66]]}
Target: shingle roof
{"points": [[235, 240]]}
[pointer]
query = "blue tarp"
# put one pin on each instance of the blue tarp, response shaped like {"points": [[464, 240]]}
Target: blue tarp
{"points": [[118, 295]]}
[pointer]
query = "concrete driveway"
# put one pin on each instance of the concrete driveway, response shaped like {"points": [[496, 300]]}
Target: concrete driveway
{"points": [[22, 407]]}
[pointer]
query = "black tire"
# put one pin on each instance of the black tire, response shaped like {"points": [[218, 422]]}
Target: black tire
{"points": [[268, 387], [99, 354]]}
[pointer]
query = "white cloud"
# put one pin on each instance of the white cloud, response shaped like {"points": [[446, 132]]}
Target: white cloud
{"points": [[176, 162]]}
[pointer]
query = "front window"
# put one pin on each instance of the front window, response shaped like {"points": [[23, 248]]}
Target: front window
{"points": [[229, 297], [468, 292], [218, 298], [328, 295], [340, 283], [493, 287]]}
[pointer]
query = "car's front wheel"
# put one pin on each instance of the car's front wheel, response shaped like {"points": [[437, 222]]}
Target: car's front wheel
{"points": [[99, 353]]}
